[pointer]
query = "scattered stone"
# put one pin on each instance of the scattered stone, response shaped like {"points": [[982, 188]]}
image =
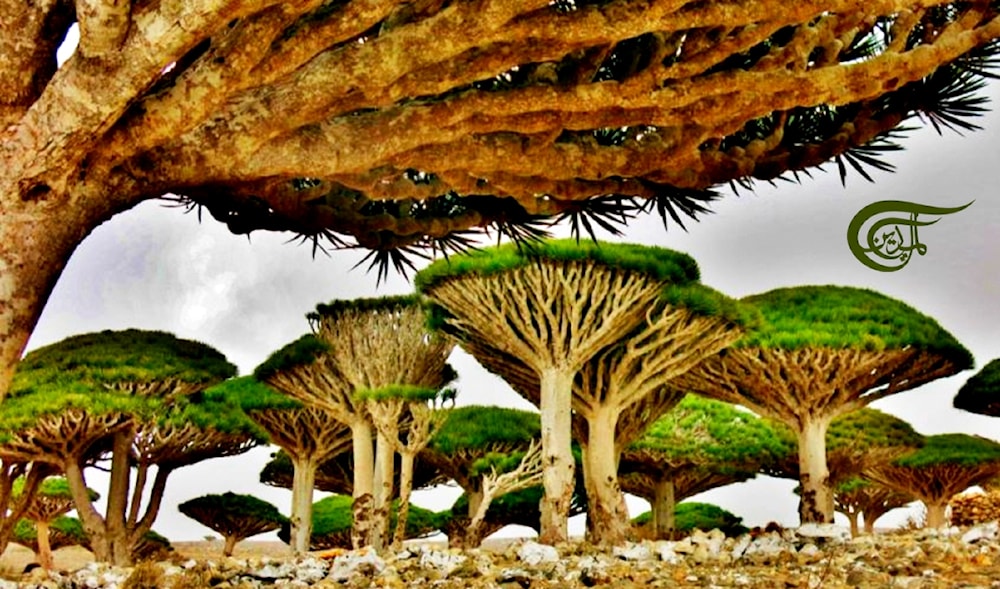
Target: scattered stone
{"points": [[359, 563], [632, 552], [444, 563], [824, 532], [534, 554]]}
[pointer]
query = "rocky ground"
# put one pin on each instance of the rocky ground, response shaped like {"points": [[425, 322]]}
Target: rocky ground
{"points": [[808, 557]]}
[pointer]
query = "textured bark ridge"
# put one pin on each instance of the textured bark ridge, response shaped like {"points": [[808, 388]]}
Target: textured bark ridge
{"points": [[286, 116]]}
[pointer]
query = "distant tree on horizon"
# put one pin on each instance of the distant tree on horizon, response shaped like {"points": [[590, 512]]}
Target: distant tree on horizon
{"points": [[946, 465], [235, 516], [698, 445], [819, 353], [858, 497]]}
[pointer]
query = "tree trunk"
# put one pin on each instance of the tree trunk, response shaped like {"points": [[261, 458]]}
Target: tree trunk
{"points": [[607, 514], [385, 455], [364, 482], [664, 504], [118, 498], [870, 520], [557, 455], [90, 519], [231, 541], [852, 519], [469, 535], [303, 481], [44, 549], [936, 517], [816, 499], [36, 241], [405, 489]]}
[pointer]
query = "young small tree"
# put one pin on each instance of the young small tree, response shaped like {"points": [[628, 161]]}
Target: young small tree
{"points": [[52, 500], [692, 515], [236, 517], [359, 345], [698, 445], [822, 352], [62, 531], [946, 465], [136, 395], [858, 497], [332, 522], [309, 435], [637, 312]]}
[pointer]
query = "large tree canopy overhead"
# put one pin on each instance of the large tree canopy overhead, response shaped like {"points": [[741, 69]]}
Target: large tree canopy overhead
{"points": [[288, 117]]}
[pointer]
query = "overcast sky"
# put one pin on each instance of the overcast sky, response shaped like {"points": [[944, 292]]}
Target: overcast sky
{"points": [[156, 268]]}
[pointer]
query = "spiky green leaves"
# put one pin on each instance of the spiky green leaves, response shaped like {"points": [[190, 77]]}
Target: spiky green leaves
{"points": [[981, 393], [842, 317], [953, 449], [300, 352], [233, 514], [478, 427]]}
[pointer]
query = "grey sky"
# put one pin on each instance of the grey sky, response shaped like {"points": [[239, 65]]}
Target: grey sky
{"points": [[155, 268]]}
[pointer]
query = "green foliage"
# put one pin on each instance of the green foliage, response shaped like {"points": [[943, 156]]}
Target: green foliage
{"points": [[361, 305], [478, 427], [250, 394], [332, 518], [689, 516], [659, 263], [716, 434], [63, 531], [111, 357], [55, 487], [981, 393], [703, 300], [862, 430], [223, 513], [956, 449], [842, 317], [405, 392], [301, 352]]}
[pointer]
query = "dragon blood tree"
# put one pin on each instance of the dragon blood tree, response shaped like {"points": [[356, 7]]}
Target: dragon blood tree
{"points": [[599, 327], [235, 516], [476, 446], [946, 465], [359, 345], [287, 116], [981, 393], [136, 396], [698, 445], [62, 531], [822, 352], [858, 497], [52, 500], [309, 435], [854, 441]]}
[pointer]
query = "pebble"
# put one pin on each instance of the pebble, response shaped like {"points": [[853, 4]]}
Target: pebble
{"points": [[819, 558]]}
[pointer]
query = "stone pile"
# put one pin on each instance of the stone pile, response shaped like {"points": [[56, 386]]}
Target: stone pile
{"points": [[809, 557], [969, 509]]}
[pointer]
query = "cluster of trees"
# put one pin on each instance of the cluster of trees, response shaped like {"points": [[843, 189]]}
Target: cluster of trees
{"points": [[608, 340]]}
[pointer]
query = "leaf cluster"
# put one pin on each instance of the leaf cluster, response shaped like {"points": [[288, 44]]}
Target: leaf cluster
{"points": [[63, 531], [714, 433], [333, 516], [128, 356], [219, 511], [54, 487], [250, 394], [479, 427], [339, 307], [658, 263], [692, 515], [981, 393], [842, 317], [404, 392], [300, 352], [953, 449]]}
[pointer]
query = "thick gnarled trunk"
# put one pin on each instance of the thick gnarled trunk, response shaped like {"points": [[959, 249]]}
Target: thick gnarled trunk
{"points": [[816, 500], [557, 455], [303, 481], [607, 514]]}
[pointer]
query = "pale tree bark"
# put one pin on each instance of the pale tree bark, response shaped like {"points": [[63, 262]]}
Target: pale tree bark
{"points": [[385, 467], [852, 516], [528, 473], [364, 481], [870, 519], [663, 505], [230, 545], [558, 478], [304, 479], [936, 514], [816, 498], [607, 514]]}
